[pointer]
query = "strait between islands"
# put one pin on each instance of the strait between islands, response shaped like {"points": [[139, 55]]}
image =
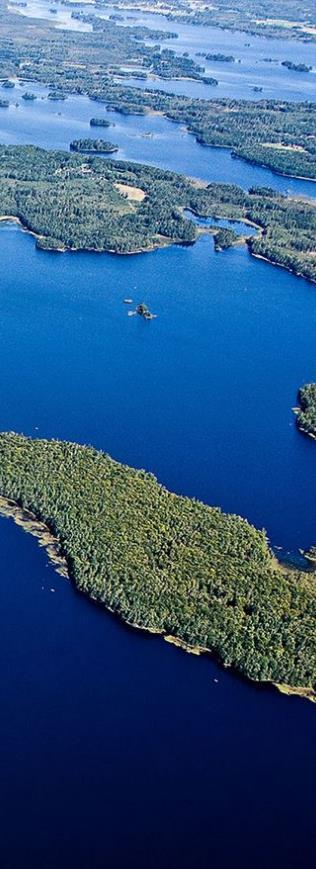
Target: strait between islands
{"points": [[205, 580]]}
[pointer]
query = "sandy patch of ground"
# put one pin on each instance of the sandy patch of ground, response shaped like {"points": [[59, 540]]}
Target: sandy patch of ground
{"points": [[281, 147], [134, 194], [283, 22]]}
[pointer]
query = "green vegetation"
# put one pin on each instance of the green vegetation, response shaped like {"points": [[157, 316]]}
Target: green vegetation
{"points": [[28, 97], [103, 50], [217, 57], [276, 134], [286, 19], [76, 202], [306, 415], [56, 96], [99, 146], [166, 563], [99, 122], [296, 67], [225, 238], [168, 65]]}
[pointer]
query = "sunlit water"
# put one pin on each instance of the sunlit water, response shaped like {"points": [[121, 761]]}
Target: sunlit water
{"points": [[117, 750], [151, 139], [236, 80]]}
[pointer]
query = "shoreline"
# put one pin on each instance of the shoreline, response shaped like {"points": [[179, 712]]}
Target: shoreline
{"points": [[164, 113], [29, 523], [281, 266], [236, 156], [7, 218]]}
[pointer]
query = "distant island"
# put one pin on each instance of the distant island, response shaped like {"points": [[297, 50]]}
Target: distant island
{"points": [[91, 146], [99, 122], [306, 413], [277, 134], [296, 67], [29, 97], [205, 580], [274, 133], [286, 20], [217, 57], [56, 95]]}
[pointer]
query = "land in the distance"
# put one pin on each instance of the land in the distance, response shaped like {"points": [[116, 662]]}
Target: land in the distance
{"points": [[93, 146], [82, 202], [276, 134], [166, 563], [287, 19]]}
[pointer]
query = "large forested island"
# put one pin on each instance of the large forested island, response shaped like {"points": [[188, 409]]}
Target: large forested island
{"points": [[306, 413], [166, 563], [81, 202]]}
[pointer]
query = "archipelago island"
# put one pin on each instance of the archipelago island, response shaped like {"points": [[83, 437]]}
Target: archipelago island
{"points": [[83, 202], [205, 580]]}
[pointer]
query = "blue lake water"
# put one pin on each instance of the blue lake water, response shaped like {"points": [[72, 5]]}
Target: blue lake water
{"points": [[202, 396], [151, 139], [117, 749], [236, 80]]}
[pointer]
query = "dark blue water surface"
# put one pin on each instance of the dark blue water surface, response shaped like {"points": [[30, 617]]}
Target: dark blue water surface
{"points": [[202, 396], [116, 749]]}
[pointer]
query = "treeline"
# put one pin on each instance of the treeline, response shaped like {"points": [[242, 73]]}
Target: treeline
{"points": [[306, 415], [103, 50], [225, 238], [71, 202], [98, 146], [288, 20], [167, 563]]}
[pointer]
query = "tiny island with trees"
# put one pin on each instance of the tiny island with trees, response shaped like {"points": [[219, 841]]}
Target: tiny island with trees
{"points": [[93, 146]]}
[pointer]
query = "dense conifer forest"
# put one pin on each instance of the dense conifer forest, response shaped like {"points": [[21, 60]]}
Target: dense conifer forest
{"points": [[306, 415], [82, 202], [166, 563]]}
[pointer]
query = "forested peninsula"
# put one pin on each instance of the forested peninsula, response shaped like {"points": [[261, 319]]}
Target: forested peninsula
{"points": [[82, 202], [275, 133], [165, 563], [306, 413]]}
